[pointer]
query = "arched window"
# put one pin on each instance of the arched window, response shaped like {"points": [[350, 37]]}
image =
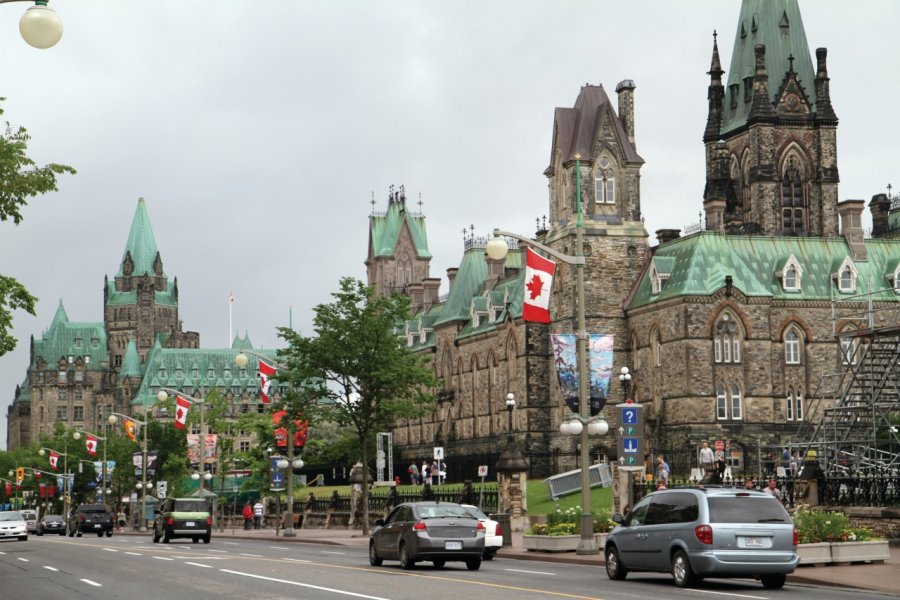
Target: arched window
{"points": [[790, 278], [736, 406], [604, 183], [657, 347], [789, 408], [791, 347], [847, 280], [792, 198], [721, 403], [727, 340], [728, 402]]}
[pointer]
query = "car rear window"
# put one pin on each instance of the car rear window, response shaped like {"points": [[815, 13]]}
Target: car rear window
{"points": [[189, 506], [746, 509]]}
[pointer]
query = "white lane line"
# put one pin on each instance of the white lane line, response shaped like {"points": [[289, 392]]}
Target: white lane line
{"points": [[198, 565], [278, 548], [110, 549], [134, 553], [730, 594], [222, 551], [533, 572], [299, 560], [49, 568], [305, 585], [93, 583], [330, 552], [163, 558], [23, 559], [254, 555], [231, 543], [2, 552]]}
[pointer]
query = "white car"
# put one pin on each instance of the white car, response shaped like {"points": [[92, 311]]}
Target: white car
{"points": [[12, 525], [493, 533]]}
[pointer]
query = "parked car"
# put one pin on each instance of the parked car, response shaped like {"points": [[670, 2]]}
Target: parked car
{"points": [[51, 524], [428, 531], [91, 518], [711, 532], [31, 519], [183, 518], [493, 532], [12, 524]]}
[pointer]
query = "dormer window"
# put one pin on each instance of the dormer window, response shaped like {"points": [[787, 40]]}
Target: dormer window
{"points": [[604, 183], [894, 279], [791, 275], [162, 372], [211, 374], [846, 277]]}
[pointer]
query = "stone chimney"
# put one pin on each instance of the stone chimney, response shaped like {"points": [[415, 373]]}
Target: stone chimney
{"points": [[416, 293], [451, 277], [850, 213], [625, 90], [667, 235], [880, 207], [432, 285]]}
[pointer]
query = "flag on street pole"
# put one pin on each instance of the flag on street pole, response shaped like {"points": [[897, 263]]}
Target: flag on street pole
{"points": [[538, 281], [182, 405], [91, 443], [131, 430], [54, 460], [266, 372]]}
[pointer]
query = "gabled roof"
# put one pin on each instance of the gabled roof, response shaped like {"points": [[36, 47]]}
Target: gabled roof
{"points": [[141, 243], [777, 25], [469, 283], [701, 262], [65, 338], [131, 364], [385, 228]]}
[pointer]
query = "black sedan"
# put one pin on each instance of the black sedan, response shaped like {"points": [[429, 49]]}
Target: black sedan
{"points": [[428, 531], [51, 524]]}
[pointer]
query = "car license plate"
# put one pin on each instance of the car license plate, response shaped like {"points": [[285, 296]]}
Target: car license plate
{"points": [[755, 542], [453, 545], [191, 524], [96, 525]]}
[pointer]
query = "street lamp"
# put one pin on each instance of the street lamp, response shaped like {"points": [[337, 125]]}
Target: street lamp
{"points": [[497, 249], [65, 456], [102, 438], [162, 396], [510, 405], [112, 419], [625, 380], [39, 25], [241, 361]]}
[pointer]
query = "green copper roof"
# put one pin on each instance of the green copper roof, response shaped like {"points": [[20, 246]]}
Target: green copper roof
{"points": [[66, 338], [384, 230], [699, 264], [131, 365], [242, 343], [469, 283], [894, 220], [166, 298], [141, 243], [777, 25]]}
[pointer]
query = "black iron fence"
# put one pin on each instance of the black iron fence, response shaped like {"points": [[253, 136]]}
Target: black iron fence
{"points": [[381, 500]]}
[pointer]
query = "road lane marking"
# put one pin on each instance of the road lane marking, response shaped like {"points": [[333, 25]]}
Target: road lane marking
{"points": [[134, 553], [331, 552], [110, 549], [533, 572], [49, 568], [198, 565], [222, 551], [231, 543], [305, 585], [278, 548], [93, 583], [253, 555], [163, 558], [730, 594], [299, 560], [23, 559]]}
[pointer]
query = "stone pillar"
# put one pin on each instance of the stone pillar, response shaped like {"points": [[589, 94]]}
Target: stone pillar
{"points": [[512, 474]]}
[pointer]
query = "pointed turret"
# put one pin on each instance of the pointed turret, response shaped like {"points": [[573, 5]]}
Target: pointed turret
{"points": [[141, 256], [131, 364], [823, 92], [60, 316], [761, 105], [715, 95]]}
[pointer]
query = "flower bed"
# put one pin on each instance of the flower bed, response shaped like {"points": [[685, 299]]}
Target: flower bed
{"points": [[562, 531], [826, 538]]}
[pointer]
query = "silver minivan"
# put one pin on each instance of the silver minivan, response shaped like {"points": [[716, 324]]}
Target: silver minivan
{"points": [[31, 519], [694, 533]]}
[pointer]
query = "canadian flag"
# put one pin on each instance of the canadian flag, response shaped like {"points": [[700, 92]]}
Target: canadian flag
{"points": [[266, 372], [182, 405], [538, 280], [91, 443], [54, 460]]}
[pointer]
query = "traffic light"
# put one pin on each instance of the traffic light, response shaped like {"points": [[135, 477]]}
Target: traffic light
{"points": [[20, 473]]}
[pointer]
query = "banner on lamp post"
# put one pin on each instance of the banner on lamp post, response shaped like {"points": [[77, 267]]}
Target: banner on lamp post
{"points": [[600, 366]]}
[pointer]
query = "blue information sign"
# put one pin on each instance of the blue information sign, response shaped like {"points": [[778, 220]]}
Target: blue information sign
{"points": [[631, 415], [631, 445]]}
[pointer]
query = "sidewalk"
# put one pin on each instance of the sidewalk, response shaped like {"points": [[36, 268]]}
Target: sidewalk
{"points": [[878, 577]]}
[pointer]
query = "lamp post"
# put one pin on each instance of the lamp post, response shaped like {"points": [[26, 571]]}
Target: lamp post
{"points": [[143, 485], [625, 380], [510, 405], [583, 424], [202, 476], [66, 490], [290, 462], [39, 25], [102, 438]]}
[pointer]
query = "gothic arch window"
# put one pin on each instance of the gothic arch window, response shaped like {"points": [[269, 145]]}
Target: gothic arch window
{"points": [[793, 200], [604, 183], [727, 339], [849, 347], [404, 270], [793, 347], [656, 347], [729, 405], [794, 406]]}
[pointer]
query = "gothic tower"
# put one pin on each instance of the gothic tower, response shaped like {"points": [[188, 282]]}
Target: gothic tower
{"points": [[771, 134]]}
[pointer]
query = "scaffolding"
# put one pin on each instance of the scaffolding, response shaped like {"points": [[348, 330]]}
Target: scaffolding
{"points": [[852, 419]]}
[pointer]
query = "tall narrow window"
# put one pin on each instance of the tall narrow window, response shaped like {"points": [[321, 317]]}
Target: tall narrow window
{"points": [[736, 409], [604, 183], [792, 348], [790, 406], [657, 349], [721, 403], [790, 278], [849, 347], [792, 198], [846, 280], [727, 340], [798, 407]]}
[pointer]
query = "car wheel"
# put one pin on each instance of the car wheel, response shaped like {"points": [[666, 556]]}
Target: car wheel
{"points": [[99, 534], [405, 561], [681, 570], [490, 553], [206, 538], [772, 582], [109, 534], [71, 533], [39, 533], [614, 568], [62, 533], [23, 538], [473, 564], [439, 564], [195, 539], [374, 560], [77, 534]]}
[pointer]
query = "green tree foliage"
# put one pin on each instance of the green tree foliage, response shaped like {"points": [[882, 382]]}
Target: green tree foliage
{"points": [[356, 371], [20, 179]]}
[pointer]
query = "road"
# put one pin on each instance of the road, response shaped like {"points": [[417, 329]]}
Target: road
{"points": [[127, 567]]}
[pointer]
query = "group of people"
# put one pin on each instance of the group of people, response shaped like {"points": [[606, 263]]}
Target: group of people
{"points": [[436, 472], [253, 515]]}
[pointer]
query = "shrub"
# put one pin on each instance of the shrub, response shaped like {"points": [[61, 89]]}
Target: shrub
{"points": [[568, 522], [821, 526]]}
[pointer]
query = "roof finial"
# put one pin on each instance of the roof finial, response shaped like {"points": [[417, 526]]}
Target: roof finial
{"points": [[420, 202], [372, 202], [791, 62]]}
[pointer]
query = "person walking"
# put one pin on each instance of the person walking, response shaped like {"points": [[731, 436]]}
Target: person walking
{"points": [[413, 473], [248, 516], [426, 473], [772, 490], [707, 458], [662, 470], [257, 515]]}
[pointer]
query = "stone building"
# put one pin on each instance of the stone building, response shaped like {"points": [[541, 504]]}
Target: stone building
{"points": [[731, 332]]}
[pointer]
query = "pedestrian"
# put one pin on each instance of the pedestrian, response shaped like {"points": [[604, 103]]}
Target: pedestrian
{"points": [[436, 471], [413, 473], [257, 515], [396, 481], [786, 461], [120, 519], [772, 490], [748, 484], [707, 458], [248, 515], [426, 473], [662, 470], [721, 465]]}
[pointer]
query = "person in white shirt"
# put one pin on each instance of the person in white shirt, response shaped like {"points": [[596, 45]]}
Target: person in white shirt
{"points": [[772, 490], [257, 515], [707, 458]]}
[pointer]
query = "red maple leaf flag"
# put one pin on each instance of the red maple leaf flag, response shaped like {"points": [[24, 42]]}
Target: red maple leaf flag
{"points": [[54, 460], [538, 280], [91, 443], [266, 372], [182, 405]]}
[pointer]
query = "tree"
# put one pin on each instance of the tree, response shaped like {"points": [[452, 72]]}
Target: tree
{"points": [[20, 179], [357, 371]]}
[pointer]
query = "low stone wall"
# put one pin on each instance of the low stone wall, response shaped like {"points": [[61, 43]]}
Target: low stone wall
{"points": [[885, 522]]}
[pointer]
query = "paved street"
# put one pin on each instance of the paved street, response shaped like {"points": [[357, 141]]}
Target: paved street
{"points": [[51, 568]]}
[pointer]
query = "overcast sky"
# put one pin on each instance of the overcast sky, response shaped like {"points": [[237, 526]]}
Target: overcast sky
{"points": [[258, 133]]}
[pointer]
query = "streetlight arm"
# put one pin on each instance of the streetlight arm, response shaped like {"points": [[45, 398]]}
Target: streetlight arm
{"points": [[569, 260], [138, 421], [241, 359]]}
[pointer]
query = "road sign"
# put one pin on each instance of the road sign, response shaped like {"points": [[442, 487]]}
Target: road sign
{"points": [[162, 488], [482, 470], [631, 445], [631, 414], [438, 453]]}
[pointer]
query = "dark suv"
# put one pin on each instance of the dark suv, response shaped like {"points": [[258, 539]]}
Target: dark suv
{"points": [[183, 518], [697, 533], [91, 518]]}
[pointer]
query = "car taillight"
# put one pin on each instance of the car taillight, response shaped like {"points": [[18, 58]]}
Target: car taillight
{"points": [[498, 530], [209, 520], [81, 518], [170, 521], [480, 526], [419, 526], [704, 534], [796, 536]]}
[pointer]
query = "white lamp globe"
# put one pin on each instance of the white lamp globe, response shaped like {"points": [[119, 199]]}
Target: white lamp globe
{"points": [[497, 248], [40, 26], [282, 463], [298, 463], [241, 360], [195, 476], [138, 486], [149, 485], [207, 476], [598, 427], [575, 427], [77, 435], [564, 428]]}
